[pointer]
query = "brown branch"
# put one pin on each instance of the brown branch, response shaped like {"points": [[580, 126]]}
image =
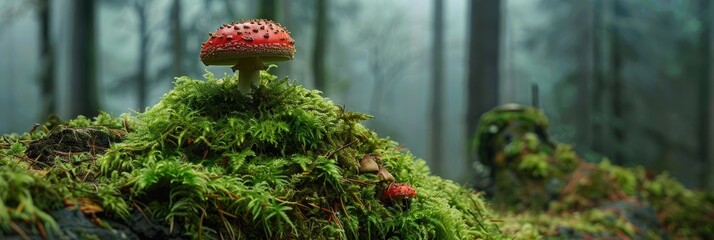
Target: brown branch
{"points": [[19, 231], [340, 149]]}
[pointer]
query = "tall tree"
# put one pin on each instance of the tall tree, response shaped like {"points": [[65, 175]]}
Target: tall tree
{"points": [[140, 8], [482, 87], [47, 59], [705, 98], [617, 84], [584, 72], [437, 86], [268, 9], [320, 43], [177, 39], [83, 80], [598, 140]]}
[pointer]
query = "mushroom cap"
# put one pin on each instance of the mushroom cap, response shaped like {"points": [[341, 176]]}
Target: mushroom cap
{"points": [[384, 175], [398, 191], [368, 164], [240, 43]]}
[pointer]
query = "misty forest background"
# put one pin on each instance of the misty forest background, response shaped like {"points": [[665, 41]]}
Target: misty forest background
{"points": [[627, 79]]}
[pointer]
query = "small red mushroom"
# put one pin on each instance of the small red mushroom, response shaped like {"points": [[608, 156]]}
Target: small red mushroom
{"points": [[399, 191], [248, 45]]}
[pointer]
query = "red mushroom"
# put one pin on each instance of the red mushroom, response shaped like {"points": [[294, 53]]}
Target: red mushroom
{"points": [[399, 191], [248, 45]]}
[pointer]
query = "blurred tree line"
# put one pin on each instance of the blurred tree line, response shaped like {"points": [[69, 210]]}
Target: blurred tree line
{"points": [[626, 79], [634, 80]]}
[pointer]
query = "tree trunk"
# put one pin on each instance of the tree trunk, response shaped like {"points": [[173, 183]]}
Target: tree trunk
{"points": [[375, 67], [617, 87], [705, 99], [141, 82], [437, 87], [268, 9], [83, 81], [484, 35], [318, 53], [598, 140], [47, 62], [585, 76], [10, 98], [177, 38]]}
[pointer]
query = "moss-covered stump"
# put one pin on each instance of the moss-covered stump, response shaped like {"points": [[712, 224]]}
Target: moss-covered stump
{"points": [[208, 162], [544, 184]]}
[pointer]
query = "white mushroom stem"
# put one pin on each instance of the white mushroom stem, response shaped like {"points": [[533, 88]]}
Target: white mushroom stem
{"points": [[248, 78], [249, 73]]}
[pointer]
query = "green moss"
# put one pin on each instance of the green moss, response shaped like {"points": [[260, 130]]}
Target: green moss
{"points": [[26, 198], [283, 162], [501, 125], [590, 224], [209, 162], [551, 183]]}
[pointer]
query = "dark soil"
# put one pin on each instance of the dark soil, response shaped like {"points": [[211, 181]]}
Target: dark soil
{"points": [[67, 141]]}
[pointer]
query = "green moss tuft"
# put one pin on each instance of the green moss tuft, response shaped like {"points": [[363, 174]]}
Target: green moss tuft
{"points": [[25, 198]]}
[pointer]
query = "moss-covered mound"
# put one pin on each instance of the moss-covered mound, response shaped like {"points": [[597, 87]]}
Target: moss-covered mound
{"points": [[545, 184], [209, 162]]}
